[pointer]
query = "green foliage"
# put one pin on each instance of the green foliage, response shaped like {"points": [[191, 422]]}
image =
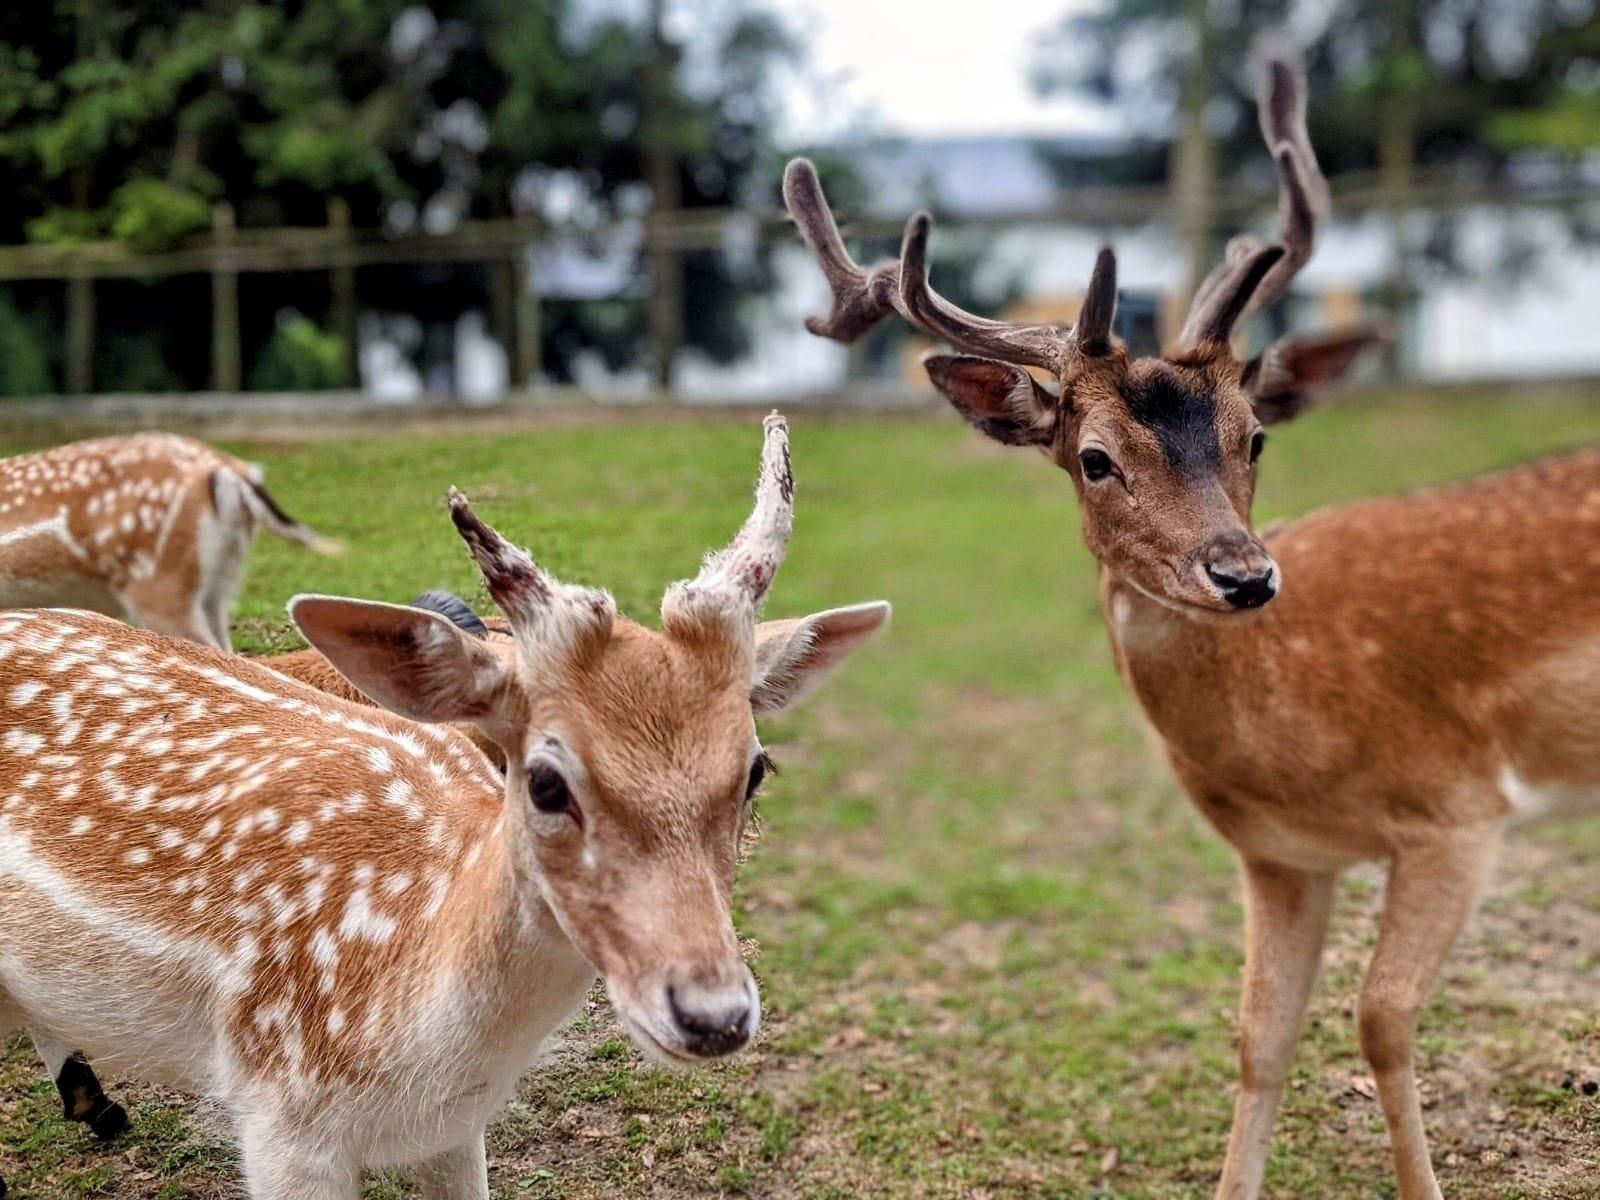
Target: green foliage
{"points": [[1566, 119], [64, 227], [24, 364], [1570, 123], [130, 121], [1469, 80], [150, 214], [133, 362], [300, 357]]}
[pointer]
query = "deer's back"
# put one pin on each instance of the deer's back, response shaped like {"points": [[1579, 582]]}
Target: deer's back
{"points": [[101, 509], [183, 830]]}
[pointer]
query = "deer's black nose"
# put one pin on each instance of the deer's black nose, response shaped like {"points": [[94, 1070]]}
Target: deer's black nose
{"points": [[1240, 568], [712, 1021], [1244, 586]]}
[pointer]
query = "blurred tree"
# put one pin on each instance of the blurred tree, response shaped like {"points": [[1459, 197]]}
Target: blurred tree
{"points": [[1566, 116], [132, 118], [1394, 84]]}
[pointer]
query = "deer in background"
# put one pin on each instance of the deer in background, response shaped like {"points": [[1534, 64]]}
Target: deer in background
{"points": [[151, 527], [1428, 676], [346, 926]]}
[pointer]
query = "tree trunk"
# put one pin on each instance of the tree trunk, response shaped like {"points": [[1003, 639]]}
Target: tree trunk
{"points": [[1397, 148], [661, 171], [1192, 166]]}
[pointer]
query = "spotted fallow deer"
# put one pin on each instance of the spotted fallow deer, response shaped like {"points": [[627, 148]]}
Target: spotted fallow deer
{"points": [[83, 1098], [151, 527], [1429, 675], [347, 926]]}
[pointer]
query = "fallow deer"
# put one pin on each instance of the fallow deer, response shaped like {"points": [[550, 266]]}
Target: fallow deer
{"points": [[151, 527], [1429, 675], [82, 1096], [347, 926]]}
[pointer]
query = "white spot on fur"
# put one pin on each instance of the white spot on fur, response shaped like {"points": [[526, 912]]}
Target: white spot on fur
{"points": [[362, 921]]}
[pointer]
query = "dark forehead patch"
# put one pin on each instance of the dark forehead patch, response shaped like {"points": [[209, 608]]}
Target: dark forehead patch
{"points": [[1183, 418]]}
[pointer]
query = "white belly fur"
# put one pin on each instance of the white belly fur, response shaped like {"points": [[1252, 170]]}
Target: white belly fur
{"points": [[1540, 802]]}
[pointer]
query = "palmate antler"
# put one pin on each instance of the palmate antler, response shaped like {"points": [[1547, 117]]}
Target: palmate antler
{"points": [[1302, 205]]}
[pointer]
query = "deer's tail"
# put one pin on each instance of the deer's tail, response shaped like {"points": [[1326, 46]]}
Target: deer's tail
{"points": [[270, 513]]}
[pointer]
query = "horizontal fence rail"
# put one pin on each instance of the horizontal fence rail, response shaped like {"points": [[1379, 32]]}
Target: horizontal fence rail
{"points": [[663, 238]]}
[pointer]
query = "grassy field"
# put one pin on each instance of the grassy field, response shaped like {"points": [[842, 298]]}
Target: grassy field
{"points": [[998, 950]]}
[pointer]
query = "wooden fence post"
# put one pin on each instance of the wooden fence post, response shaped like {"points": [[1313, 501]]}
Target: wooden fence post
{"points": [[525, 293], [666, 194], [227, 372], [342, 298], [80, 334], [503, 313]]}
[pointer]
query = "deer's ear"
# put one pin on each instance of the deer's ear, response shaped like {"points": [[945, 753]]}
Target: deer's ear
{"points": [[998, 398], [409, 660], [1283, 380], [793, 657]]}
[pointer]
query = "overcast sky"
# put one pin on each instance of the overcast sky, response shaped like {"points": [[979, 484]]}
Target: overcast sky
{"points": [[930, 67]]}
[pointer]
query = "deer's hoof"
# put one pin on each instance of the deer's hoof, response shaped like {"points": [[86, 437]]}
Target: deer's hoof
{"points": [[109, 1122]]}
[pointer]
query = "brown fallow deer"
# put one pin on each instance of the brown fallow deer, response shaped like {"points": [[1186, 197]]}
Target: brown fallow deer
{"points": [[1429, 675], [347, 926], [150, 527]]}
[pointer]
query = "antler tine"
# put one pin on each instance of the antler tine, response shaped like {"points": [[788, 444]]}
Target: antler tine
{"points": [[1047, 346], [1303, 203], [861, 298], [1099, 311], [735, 580], [1223, 314]]}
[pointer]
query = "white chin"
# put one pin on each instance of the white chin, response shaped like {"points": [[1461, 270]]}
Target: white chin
{"points": [[656, 1048]]}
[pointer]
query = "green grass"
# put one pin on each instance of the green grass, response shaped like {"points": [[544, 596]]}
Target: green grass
{"points": [[997, 950]]}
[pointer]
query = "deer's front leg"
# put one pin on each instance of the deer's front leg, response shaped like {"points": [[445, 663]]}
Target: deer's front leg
{"points": [[82, 1098], [1431, 891], [283, 1161], [1285, 922], [459, 1174]]}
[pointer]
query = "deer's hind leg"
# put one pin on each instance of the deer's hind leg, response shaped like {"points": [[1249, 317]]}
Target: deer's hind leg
{"points": [[82, 1098], [226, 529]]}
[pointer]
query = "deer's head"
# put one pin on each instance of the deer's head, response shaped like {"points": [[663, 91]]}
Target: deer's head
{"points": [[1162, 451], [632, 760]]}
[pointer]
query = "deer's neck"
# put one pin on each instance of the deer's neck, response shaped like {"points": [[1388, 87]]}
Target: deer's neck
{"points": [[507, 975], [1192, 673]]}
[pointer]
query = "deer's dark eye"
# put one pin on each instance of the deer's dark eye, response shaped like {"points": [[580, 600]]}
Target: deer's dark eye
{"points": [[1257, 444], [1096, 464], [549, 790], [759, 770]]}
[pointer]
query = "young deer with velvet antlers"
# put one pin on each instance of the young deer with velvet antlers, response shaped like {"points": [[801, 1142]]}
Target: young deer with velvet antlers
{"points": [[151, 527], [1429, 675], [347, 926]]}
